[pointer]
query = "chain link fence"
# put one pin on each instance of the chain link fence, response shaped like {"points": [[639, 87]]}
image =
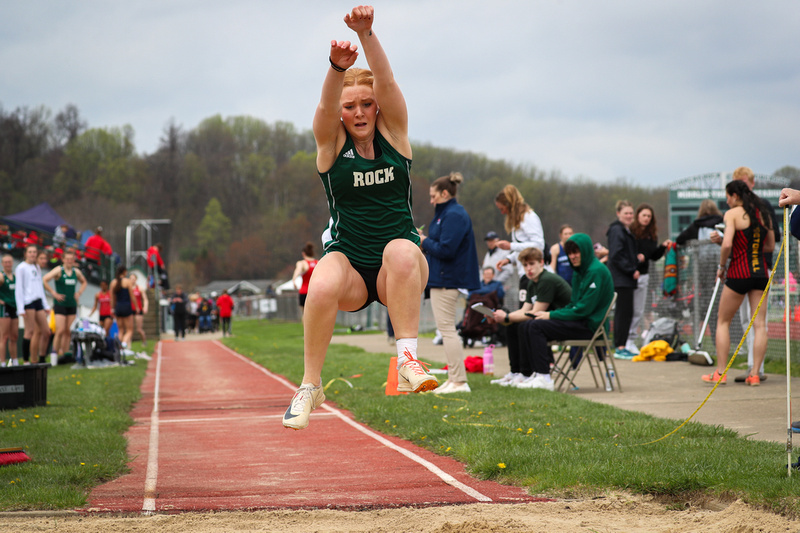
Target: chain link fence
{"points": [[697, 268]]}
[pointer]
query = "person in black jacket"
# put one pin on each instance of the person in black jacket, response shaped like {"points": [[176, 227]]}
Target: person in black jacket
{"points": [[645, 231], [701, 228], [622, 263]]}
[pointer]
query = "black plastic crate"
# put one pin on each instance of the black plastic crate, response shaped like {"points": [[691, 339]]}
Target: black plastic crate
{"points": [[23, 386]]}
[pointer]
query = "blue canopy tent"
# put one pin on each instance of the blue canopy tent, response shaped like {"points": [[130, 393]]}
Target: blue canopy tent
{"points": [[42, 218]]}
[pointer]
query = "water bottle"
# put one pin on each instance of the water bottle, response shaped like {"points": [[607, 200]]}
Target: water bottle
{"points": [[488, 359], [610, 380]]}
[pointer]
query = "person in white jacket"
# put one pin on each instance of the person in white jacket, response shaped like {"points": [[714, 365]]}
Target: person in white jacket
{"points": [[32, 303], [525, 229]]}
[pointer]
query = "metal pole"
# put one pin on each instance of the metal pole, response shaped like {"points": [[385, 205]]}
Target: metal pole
{"points": [[788, 351]]}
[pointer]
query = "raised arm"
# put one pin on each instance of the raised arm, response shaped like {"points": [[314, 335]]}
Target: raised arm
{"points": [[327, 124], [393, 118]]}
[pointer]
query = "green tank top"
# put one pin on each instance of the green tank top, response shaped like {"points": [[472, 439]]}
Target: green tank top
{"points": [[66, 285], [369, 201], [7, 290]]}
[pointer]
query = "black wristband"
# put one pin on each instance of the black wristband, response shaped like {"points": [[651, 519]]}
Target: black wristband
{"points": [[335, 67], [506, 319]]}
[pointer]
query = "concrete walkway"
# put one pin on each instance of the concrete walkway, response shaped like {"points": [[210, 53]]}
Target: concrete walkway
{"points": [[668, 390]]}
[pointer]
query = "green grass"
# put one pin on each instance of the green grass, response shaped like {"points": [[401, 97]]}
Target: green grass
{"points": [[553, 444], [76, 441]]}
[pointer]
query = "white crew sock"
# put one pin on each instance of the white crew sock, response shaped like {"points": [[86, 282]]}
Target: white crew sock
{"points": [[406, 349]]}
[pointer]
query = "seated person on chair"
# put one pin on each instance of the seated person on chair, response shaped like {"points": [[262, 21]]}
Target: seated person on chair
{"points": [[546, 291], [592, 293], [489, 284]]}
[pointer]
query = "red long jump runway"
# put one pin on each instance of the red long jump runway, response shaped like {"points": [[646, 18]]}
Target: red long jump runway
{"points": [[208, 436]]}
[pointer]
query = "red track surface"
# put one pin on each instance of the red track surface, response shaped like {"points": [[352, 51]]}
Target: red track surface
{"points": [[208, 436]]}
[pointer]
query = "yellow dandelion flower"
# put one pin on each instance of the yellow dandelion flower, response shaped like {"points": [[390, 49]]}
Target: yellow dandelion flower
{"points": [[83, 464], [501, 465], [22, 420], [548, 423], [77, 383], [35, 416], [435, 406], [448, 449]]}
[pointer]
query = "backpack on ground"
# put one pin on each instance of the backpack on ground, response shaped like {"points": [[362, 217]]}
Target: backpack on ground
{"points": [[664, 329]]}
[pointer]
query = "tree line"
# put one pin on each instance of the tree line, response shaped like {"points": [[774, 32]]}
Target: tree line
{"points": [[244, 195]]}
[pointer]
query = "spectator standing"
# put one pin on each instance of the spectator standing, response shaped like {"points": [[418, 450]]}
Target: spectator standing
{"points": [[645, 231], [225, 306], [9, 320], [559, 262], [143, 306], [66, 295], [453, 264], [305, 268], [622, 262], [30, 297], [748, 237], [177, 305], [525, 230], [701, 228]]}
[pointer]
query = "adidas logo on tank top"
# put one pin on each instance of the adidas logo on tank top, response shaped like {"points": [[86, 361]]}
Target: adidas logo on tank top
{"points": [[349, 154]]}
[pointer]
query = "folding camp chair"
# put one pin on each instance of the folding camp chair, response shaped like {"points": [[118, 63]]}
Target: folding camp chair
{"points": [[568, 362]]}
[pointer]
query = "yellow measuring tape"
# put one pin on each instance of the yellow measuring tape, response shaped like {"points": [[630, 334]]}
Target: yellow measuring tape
{"points": [[736, 352]]}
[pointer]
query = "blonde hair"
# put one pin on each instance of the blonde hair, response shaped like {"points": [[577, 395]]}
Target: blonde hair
{"points": [[744, 173], [448, 183], [708, 207], [358, 76], [623, 203], [515, 205]]}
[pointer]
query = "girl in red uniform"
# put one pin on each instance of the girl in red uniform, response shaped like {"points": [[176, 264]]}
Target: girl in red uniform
{"points": [[102, 301], [748, 234], [304, 267]]}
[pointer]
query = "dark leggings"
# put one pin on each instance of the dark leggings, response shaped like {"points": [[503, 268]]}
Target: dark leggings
{"points": [[535, 334], [180, 325], [623, 315]]}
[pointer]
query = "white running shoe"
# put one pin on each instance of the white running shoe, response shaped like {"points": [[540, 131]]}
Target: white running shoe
{"points": [[412, 377], [305, 399], [518, 378], [523, 383], [537, 382], [631, 347], [452, 387], [505, 380]]}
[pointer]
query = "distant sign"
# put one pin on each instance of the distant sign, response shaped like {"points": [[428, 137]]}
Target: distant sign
{"points": [[268, 305]]}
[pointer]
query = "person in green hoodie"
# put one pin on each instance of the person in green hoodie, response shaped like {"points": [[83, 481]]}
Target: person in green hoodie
{"points": [[592, 293]]}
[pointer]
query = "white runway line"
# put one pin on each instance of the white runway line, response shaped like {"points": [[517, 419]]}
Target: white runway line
{"points": [[441, 474], [151, 479]]}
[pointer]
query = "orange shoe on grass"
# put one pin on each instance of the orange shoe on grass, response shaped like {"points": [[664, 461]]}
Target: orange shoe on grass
{"points": [[715, 377], [753, 381]]}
